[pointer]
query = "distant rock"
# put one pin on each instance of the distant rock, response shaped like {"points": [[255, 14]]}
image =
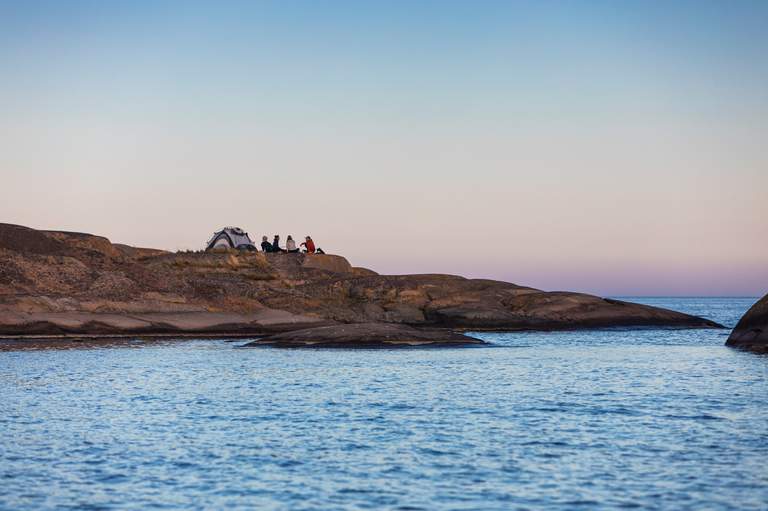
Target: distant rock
{"points": [[365, 335], [751, 332]]}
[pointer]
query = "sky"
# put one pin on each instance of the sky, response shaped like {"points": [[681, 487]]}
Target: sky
{"points": [[616, 148]]}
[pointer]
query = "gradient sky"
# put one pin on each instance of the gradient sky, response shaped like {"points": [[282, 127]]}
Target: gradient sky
{"points": [[619, 148]]}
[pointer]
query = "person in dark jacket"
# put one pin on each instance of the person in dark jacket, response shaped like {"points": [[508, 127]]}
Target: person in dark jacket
{"points": [[276, 245], [266, 246]]}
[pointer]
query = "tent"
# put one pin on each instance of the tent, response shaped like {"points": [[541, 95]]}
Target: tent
{"points": [[230, 237]]}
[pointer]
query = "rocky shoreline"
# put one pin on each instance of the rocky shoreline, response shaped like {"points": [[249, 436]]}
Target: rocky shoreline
{"points": [[79, 324], [63, 284]]}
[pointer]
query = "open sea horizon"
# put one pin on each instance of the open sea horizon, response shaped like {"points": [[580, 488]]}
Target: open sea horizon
{"points": [[622, 418]]}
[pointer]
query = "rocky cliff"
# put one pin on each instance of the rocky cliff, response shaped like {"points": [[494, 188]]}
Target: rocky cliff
{"points": [[751, 331], [72, 283]]}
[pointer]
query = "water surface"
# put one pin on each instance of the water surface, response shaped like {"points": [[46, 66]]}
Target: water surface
{"points": [[652, 419]]}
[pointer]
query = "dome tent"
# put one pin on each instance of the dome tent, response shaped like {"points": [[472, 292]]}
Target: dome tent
{"points": [[230, 237]]}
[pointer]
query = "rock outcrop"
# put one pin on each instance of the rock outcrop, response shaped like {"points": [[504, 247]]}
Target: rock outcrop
{"points": [[751, 332], [89, 324], [51, 272], [459, 303], [365, 335], [331, 263]]}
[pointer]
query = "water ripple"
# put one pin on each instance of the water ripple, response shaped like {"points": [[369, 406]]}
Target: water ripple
{"points": [[613, 419]]}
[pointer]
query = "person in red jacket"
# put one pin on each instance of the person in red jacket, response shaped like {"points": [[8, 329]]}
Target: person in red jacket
{"points": [[309, 245]]}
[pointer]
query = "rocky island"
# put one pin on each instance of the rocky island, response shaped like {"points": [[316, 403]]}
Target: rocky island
{"points": [[365, 335], [55, 283], [751, 332]]}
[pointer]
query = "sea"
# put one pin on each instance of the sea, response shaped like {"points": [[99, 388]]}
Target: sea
{"points": [[598, 419]]}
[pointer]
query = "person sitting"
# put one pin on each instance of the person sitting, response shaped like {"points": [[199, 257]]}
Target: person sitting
{"points": [[290, 245], [276, 245], [309, 245], [266, 246]]}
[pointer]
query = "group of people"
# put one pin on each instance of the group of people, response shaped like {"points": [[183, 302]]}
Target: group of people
{"points": [[290, 246]]}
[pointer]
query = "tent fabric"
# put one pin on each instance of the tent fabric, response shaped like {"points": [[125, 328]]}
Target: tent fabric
{"points": [[231, 237]]}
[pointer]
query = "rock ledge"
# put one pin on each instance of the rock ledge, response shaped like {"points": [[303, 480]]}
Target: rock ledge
{"points": [[365, 335]]}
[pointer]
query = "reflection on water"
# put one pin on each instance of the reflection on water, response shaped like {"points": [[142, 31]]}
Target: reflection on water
{"points": [[624, 418]]}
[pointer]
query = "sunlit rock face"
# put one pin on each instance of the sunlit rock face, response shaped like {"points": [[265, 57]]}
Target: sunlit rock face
{"points": [[44, 272]]}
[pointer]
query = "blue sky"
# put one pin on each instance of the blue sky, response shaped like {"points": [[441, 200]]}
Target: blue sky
{"points": [[489, 57], [611, 147]]}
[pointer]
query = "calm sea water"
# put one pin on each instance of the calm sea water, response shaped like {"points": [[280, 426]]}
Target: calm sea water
{"points": [[651, 419]]}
